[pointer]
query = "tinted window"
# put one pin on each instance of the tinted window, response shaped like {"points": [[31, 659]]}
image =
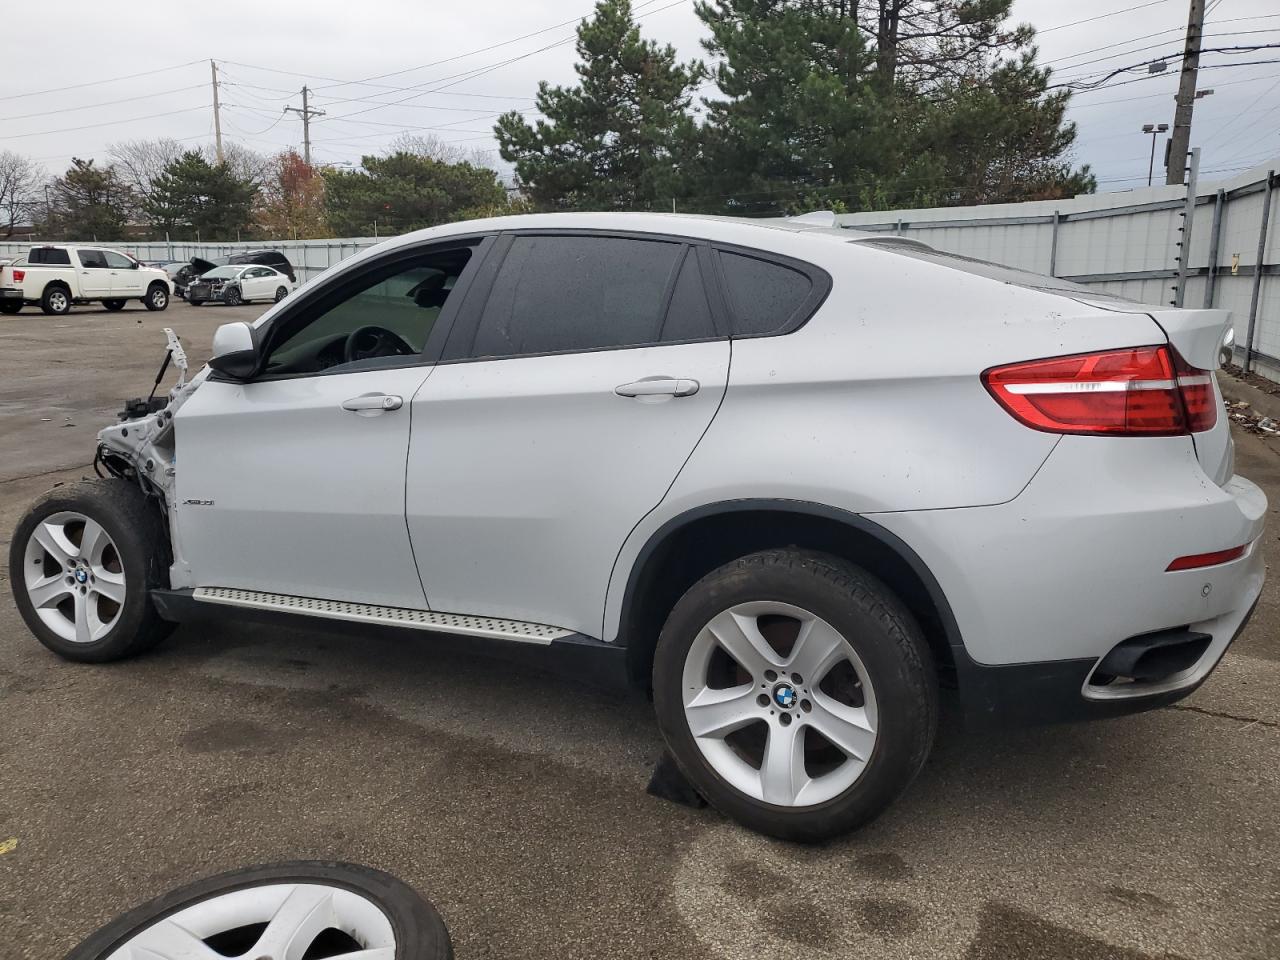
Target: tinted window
{"points": [[764, 295], [116, 261], [53, 257], [576, 293], [689, 315], [92, 259]]}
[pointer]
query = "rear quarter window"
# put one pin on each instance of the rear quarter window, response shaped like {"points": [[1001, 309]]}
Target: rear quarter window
{"points": [[765, 297], [52, 256]]}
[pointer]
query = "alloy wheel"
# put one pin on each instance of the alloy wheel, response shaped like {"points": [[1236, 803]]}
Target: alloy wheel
{"points": [[74, 577], [280, 921], [58, 301], [779, 704], [159, 299]]}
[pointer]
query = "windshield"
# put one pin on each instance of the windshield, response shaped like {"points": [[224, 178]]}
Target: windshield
{"points": [[222, 273]]}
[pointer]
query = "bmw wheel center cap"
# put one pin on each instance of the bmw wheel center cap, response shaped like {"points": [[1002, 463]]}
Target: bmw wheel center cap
{"points": [[82, 575], [784, 695]]}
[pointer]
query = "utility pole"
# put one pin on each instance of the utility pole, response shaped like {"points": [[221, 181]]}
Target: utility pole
{"points": [[306, 113], [217, 113], [1180, 140]]}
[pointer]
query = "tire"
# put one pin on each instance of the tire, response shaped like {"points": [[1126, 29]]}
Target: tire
{"points": [[56, 300], [195, 303], [157, 297], [416, 927], [98, 625], [893, 693], [232, 297], [113, 305], [281, 293], [10, 307]]}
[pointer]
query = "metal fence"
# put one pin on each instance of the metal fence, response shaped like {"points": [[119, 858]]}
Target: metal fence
{"points": [[1133, 244]]}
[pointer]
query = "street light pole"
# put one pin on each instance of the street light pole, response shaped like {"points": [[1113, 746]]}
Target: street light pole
{"points": [[1154, 129]]}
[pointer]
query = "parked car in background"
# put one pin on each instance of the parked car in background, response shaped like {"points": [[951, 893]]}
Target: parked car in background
{"points": [[529, 431], [234, 284], [200, 265], [56, 277]]}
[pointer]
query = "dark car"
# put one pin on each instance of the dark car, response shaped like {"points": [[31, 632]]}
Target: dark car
{"points": [[199, 265]]}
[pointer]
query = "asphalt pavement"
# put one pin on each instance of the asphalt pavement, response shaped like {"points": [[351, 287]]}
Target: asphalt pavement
{"points": [[514, 798]]}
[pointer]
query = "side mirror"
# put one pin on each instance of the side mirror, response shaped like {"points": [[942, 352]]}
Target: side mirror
{"points": [[134, 265], [235, 351]]}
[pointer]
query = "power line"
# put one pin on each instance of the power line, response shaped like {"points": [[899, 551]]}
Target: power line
{"points": [[106, 103], [1113, 13], [108, 123], [96, 83]]}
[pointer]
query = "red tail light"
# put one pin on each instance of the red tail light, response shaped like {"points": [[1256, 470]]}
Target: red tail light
{"points": [[1138, 391], [1196, 560], [19, 276]]}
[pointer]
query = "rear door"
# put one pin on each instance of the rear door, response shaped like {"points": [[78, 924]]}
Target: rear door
{"points": [[93, 274], [574, 386], [255, 283]]}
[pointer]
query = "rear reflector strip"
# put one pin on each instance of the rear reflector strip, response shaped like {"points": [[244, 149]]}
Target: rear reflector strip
{"points": [[1197, 560]]}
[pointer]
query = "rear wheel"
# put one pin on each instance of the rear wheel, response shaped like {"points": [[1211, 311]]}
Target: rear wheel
{"points": [[195, 303], [281, 293], [113, 305], [56, 300], [83, 562], [316, 910], [795, 692], [157, 297], [10, 307]]}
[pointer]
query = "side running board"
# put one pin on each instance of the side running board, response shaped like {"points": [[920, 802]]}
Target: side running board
{"points": [[495, 627]]}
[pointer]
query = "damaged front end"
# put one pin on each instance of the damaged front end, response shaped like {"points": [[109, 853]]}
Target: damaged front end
{"points": [[141, 448]]}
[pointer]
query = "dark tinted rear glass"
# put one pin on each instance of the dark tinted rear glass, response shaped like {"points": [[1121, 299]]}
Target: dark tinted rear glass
{"points": [[93, 259], [52, 256], [576, 293], [689, 315], [764, 296]]}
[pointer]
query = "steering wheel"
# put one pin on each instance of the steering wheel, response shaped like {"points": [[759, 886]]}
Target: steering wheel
{"points": [[365, 343]]}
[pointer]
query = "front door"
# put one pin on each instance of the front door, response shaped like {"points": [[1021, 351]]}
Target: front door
{"points": [[294, 483], [565, 410], [127, 280], [255, 284]]}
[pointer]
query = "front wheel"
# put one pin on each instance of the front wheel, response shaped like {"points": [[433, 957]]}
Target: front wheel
{"points": [[233, 297], [305, 909], [83, 562], [157, 297], [796, 693], [113, 305]]}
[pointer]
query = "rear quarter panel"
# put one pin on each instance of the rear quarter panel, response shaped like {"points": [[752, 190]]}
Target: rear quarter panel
{"points": [[876, 405]]}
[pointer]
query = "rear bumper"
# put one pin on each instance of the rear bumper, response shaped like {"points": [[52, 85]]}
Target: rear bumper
{"points": [[1047, 585], [11, 293], [1059, 691]]}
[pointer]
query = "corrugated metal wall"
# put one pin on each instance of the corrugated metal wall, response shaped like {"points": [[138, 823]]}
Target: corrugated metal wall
{"points": [[1130, 244]]}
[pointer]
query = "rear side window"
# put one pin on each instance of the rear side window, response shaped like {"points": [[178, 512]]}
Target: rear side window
{"points": [[764, 296], [688, 315], [92, 259], [555, 294], [51, 256]]}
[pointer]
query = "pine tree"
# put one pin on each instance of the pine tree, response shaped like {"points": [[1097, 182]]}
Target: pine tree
{"points": [[620, 138], [192, 197], [90, 202]]}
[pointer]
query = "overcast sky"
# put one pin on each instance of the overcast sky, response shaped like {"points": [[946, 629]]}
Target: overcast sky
{"points": [[433, 56]]}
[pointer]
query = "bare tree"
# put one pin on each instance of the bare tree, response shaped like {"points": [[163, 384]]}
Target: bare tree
{"points": [[434, 148], [139, 162], [244, 163], [20, 180]]}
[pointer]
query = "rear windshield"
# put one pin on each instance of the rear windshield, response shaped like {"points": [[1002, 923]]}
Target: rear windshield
{"points": [[993, 271], [50, 255]]}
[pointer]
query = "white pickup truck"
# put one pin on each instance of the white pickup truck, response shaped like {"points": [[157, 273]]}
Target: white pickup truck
{"points": [[56, 277]]}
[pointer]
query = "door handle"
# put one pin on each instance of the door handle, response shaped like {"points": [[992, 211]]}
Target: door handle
{"points": [[658, 387], [370, 403]]}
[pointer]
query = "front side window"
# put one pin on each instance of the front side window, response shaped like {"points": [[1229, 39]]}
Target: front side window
{"points": [[117, 261], [564, 293], [92, 259], [387, 312]]}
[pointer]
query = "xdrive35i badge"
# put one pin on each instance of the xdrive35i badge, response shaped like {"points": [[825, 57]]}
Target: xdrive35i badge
{"points": [[197, 503]]}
